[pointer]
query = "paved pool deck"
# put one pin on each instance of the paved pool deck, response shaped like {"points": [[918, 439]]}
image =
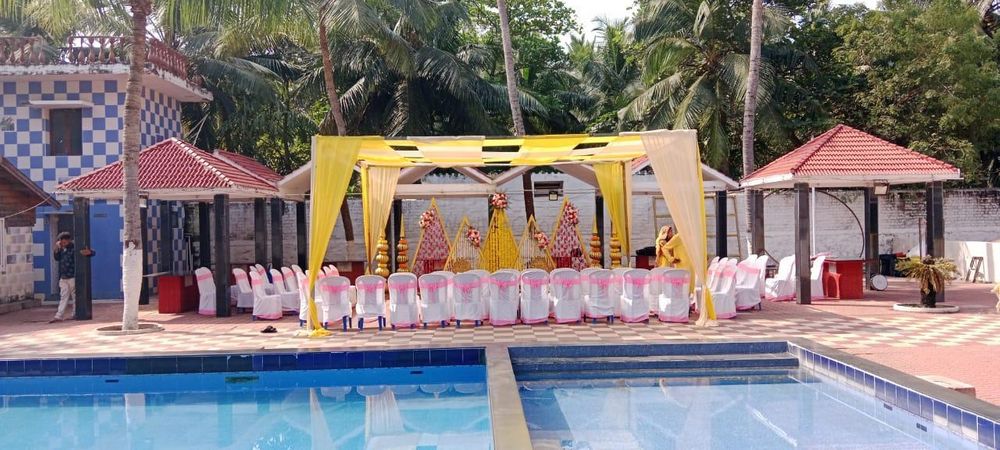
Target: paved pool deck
{"points": [[963, 346]]}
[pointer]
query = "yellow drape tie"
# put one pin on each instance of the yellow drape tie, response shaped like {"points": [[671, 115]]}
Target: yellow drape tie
{"points": [[378, 188], [611, 179], [333, 165]]}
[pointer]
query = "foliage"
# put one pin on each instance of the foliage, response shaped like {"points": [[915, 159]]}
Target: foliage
{"points": [[931, 273]]}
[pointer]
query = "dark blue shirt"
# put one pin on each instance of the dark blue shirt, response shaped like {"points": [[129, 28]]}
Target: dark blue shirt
{"points": [[67, 262]]}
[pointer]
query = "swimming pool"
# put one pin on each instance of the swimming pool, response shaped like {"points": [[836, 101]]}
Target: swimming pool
{"points": [[379, 407]]}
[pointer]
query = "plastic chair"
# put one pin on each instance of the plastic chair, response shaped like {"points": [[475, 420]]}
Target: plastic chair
{"points": [[291, 281], [484, 293], [634, 303], [534, 296], [504, 297], [206, 291], [781, 287], [241, 293], [371, 299], [450, 277], [334, 293], [816, 278], [673, 303], [749, 290], [403, 306], [567, 303], [289, 300], [434, 299], [724, 295], [467, 299], [265, 306], [599, 302]]}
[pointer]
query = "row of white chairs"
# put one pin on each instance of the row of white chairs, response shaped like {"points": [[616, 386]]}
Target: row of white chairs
{"points": [[736, 285], [782, 286]]}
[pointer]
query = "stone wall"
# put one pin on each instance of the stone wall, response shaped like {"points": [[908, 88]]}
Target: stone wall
{"points": [[16, 276]]}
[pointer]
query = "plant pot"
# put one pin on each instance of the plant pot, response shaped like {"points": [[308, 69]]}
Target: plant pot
{"points": [[928, 298]]}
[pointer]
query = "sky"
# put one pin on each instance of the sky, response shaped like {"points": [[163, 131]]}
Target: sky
{"points": [[587, 10]]}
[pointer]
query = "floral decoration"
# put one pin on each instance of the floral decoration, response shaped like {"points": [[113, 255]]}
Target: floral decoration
{"points": [[427, 218], [499, 200], [541, 239], [572, 215], [474, 237]]}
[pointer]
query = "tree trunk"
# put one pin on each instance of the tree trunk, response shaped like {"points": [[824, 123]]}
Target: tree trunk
{"points": [[133, 246], [928, 299], [515, 102], [335, 110], [750, 106]]}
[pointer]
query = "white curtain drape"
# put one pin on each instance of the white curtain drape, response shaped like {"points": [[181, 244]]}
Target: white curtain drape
{"points": [[377, 194], [675, 159]]}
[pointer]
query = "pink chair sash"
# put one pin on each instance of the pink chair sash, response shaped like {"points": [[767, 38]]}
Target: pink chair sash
{"points": [[676, 281], [728, 271], [535, 282], [504, 283], [431, 285], [602, 282], [403, 285], [636, 281], [467, 287], [256, 282], [204, 277], [370, 287], [335, 288], [566, 282]]}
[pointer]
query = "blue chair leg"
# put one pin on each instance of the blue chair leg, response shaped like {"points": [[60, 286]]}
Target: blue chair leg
{"points": [[478, 323], [343, 321], [361, 323], [381, 323], [425, 325], [253, 318], [458, 324], [413, 325], [444, 324], [302, 323]]}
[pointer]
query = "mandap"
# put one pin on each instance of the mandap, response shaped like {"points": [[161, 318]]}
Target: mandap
{"points": [[672, 154]]}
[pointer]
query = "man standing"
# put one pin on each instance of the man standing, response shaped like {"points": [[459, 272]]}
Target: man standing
{"points": [[66, 259]]}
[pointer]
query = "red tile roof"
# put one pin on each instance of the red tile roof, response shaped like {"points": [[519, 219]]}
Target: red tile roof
{"points": [[250, 165], [849, 153], [175, 165]]}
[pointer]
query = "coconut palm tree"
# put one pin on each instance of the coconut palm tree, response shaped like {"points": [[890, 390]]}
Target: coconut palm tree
{"points": [[605, 76], [750, 104], [515, 104]]}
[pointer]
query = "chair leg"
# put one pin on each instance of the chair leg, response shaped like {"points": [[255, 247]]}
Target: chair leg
{"points": [[458, 324], [302, 323], [425, 325], [343, 321], [381, 323], [361, 323], [478, 323], [444, 324]]}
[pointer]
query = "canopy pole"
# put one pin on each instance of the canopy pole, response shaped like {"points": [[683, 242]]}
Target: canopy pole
{"points": [[803, 291]]}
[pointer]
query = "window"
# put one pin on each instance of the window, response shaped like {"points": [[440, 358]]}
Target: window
{"points": [[546, 188], [65, 129]]}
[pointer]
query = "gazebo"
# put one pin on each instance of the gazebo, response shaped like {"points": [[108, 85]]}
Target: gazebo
{"points": [[174, 170], [844, 157]]}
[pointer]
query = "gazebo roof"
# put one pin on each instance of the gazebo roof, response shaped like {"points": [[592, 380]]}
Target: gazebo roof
{"points": [[20, 183], [250, 165], [846, 157], [174, 170]]}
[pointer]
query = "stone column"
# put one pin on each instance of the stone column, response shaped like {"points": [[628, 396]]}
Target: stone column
{"points": [[721, 224], [277, 234], [221, 206], [871, 235], [260, 231], [81, 229], [301, 232], [204, 235], [803, 250]]}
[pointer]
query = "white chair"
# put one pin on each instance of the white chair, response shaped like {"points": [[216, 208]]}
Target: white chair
{"points": [[673, 303], [303, 279], [467, 291], [534, 296], [265, 306], [434, 299], [371, 299], [724, 295], [634, 303], [713, 269], [618, 288], [291, 281], [241, 293], [484, 293], [289, 300], [334, 296], [206, 291], [331, 270], [750, 289], [599, 301], [816, 277], [585, 280], [403, 306], [504, 297], [450, 277], [567, 303], [781, 287], [297, 269], [655, 287]]}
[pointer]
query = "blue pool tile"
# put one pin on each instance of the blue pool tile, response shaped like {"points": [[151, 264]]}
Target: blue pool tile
{"points": [[84, 366], [940, 414], [421, 358], [454, 356], [15, 368], [969, 425], [323, 360], [306, 361], [216, 364], [49, 367], [100, 366], [258, 363], [471, 356], [987, 432], [338, 360], [926, 407], [117, 366], [3, 368], [355, 360], [372, 360], [439, 357], [402, 358], [239, 363], [954, 419], [913, 402], [32, 367], [189, 364], [880, 389], [137, 366], [287, 362], [67, 367], [272, 362], [870, 382], [163, 365]]}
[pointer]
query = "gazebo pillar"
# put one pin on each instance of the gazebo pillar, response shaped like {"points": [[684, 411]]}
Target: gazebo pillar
{"points": [[277, 234], [259, 231], [166, 237], [803, 250], [721, 224], [301, 245], [81, 228], [221, 206], [872, 263], [396, 223], [935, 224], [204, 235], [599, 219], [756, 199], [144, 236]]}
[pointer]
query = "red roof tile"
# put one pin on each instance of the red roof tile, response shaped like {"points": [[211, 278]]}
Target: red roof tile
{"points": [[251, 165], [846, 152], [174, 165]]}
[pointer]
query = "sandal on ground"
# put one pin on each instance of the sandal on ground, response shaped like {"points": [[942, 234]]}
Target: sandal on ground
{"points": [[269, 329]]}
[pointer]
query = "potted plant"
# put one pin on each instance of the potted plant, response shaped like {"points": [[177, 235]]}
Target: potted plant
{"points": [[931, 273]]}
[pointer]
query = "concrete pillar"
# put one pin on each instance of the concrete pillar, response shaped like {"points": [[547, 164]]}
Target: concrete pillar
{"points": [[81, 230], [301, 231], [260, 231], [803, 250], [166, 237], [599, 217], [144, 232], [221, 206], [721, 224], [871, 235], [277, 234], [204, 235], [756, 199], [935, 224]]}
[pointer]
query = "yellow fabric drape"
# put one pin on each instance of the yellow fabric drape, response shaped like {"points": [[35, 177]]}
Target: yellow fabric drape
{"points": [[674, 157], [333, 164], [378, 188], [611, 179]]}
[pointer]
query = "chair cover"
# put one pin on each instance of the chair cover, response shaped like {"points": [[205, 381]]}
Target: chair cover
{"points": [[467, 298], [655, 287], [241, 293], [434, 298], [403, 306], [484, 293], [618, 288], [265, 306], [291, 281], [504, 297], [206, 291], [724, 296], [335, 303], [303, 279], [567, 303], [749, 289], [599, 301], [289, 299], [534, 296], [673, 303], [635, 304], [816, 278], [371, 296], [297, 269], [450, 277], [781, 287]]}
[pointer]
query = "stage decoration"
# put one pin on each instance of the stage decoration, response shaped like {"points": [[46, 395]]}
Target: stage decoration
{"points": [[612, 180], [378, 187], [433, 247], [402, 249], [465, 254], [500, 249], [533, 250], [499, 200], [596, 252], [382, 257], [568, 249], [616, 249]]}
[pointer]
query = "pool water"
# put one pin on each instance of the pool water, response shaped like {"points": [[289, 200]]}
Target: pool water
{"points": [[432, 407], [752, 412]]}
